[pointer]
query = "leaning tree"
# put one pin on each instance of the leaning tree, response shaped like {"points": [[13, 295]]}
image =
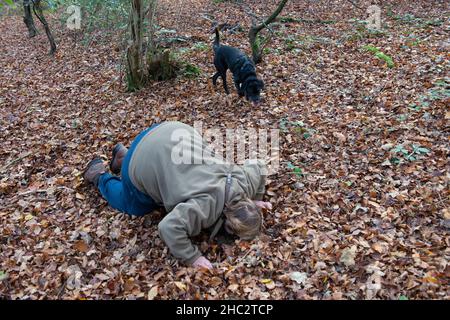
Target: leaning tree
{"points": [[36, 6], [257, 43]]}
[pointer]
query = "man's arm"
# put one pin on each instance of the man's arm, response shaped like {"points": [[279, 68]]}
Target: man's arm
{"points": [[185, 220]]}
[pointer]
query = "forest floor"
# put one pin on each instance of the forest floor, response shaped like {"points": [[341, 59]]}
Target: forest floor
{"points": [[361, 206]]}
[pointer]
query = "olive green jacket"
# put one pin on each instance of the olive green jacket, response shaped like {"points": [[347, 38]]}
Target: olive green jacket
{"points": [[167, 165]]}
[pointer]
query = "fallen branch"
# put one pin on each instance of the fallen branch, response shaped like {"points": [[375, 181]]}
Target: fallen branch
{"points": [[49, 190], [301, 20], [354, 4], [271, 18], [14, 161], [32, 191]]}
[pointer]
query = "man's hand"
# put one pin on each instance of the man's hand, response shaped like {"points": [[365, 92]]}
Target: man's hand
{"points": [[202, 262], [263, 205]]}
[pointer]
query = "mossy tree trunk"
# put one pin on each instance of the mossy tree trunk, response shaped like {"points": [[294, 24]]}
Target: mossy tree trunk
{"points": [[255, 41], [136, 73], [145, 61]]}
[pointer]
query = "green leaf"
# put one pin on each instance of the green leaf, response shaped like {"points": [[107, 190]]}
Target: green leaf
{"points": [[423, 150], [298, 171], [441, 83], [371, 48], [290, 165], [395, 160], [306, 135], [414, 107], [283, 126], [298, 124], [403, 298], [398, 148], [405, 152], [3, 275], [386, 58]]}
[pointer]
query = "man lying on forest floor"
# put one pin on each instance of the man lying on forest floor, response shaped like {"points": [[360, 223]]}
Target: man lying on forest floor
{"points": [[204, 192]]}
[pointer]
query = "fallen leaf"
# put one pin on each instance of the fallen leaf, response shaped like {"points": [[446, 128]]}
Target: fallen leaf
{"points": [[80, 196], [81, 246], [299, 277], [348, 256], [339, 136], [446, 213], [378, 247], [233, 287], [180, 285], [152, 293]]}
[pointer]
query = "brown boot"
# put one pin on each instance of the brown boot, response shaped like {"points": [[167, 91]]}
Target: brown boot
{"points": [[94, 170], [118, 154]]}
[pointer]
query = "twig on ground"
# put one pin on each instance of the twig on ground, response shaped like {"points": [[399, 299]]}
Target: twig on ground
{"points": [[354, 4], [15, 160]]}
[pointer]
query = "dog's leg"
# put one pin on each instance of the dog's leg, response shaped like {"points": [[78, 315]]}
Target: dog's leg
{"points": [[215, 76], [225, 86]]}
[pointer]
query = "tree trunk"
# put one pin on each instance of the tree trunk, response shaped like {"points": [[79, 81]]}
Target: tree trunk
{"points": [[255, 45], [255, 41], [136, 69], [145, 61], [28, 19], [38, 12]]}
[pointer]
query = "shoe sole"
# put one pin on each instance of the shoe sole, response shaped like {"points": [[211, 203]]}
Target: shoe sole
{"points": [[89, 165]]}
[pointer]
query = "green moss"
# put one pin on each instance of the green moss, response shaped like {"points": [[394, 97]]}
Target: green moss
{"points": [[380, 55]]}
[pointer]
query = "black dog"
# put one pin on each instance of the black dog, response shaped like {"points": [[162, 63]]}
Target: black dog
{"points": [[243, 69]]}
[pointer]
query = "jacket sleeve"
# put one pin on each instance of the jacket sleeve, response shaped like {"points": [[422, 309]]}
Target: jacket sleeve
{"points": [[256, 172], [185, 220]]}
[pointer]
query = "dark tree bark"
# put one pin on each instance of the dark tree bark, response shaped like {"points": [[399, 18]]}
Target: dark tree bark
{"points": [[38, 12], [255, 42], [28, 19]]}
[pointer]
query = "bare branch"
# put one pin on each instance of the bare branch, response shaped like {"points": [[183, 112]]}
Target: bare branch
{"points": [[354, 4], [272, 17], [255, 29]]}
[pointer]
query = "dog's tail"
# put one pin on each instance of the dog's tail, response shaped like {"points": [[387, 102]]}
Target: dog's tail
{"points": [[217, 39]]}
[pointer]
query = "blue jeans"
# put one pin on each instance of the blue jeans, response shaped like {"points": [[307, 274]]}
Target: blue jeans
{"points": [[121, 194]]}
